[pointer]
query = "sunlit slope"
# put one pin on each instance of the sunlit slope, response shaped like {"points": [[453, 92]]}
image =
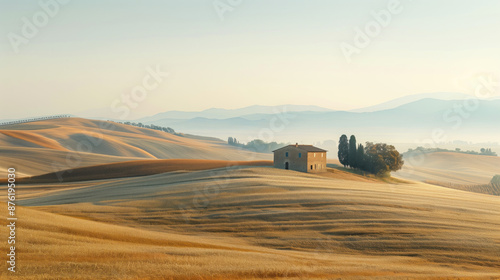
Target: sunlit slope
{"points": [[449, 167], [74, 142], [135, 168], [51, 246], [36, 161], [444, 232], [61, 247]]}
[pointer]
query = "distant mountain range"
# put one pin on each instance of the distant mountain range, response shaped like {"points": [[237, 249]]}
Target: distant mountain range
{"points": [[408, 119], [219, 113], [473, 120], [412, 98]]}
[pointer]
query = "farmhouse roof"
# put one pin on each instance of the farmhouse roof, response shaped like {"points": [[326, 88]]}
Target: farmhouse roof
{"points": [[307, 148]]}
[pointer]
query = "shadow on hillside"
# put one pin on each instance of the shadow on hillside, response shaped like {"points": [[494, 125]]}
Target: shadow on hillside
{"points": [[386, 179]]}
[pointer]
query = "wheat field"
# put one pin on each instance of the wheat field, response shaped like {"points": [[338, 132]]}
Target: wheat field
{"points": [[145, 204], [256, 223]]}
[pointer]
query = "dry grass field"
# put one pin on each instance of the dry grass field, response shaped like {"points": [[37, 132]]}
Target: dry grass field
{"points": [[254, 223], [133, 169], [48, 146], [454, 168], [121, 214]]}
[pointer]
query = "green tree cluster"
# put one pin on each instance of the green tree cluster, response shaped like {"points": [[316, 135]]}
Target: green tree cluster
{"points": [[256, 145], [379, 158], [483, 151], [151, 126]]}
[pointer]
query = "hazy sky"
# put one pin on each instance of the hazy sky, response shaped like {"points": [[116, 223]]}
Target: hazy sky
{"points": [[88, 54]]}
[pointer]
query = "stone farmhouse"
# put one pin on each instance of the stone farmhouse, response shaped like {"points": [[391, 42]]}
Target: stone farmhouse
{"points": [[304, 158]]}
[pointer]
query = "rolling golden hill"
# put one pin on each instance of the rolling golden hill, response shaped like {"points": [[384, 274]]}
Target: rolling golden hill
{"points": [[144, 204], [133, 169], [448, 168], [281, 223], [52, 145]]}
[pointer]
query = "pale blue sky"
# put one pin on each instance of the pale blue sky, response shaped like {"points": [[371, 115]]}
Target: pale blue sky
{"points": [[263, 52]]}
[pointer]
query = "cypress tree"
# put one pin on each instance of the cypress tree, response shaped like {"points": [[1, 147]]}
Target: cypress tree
{"points": [[360, 157], [343, 150], [352, 152]]}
